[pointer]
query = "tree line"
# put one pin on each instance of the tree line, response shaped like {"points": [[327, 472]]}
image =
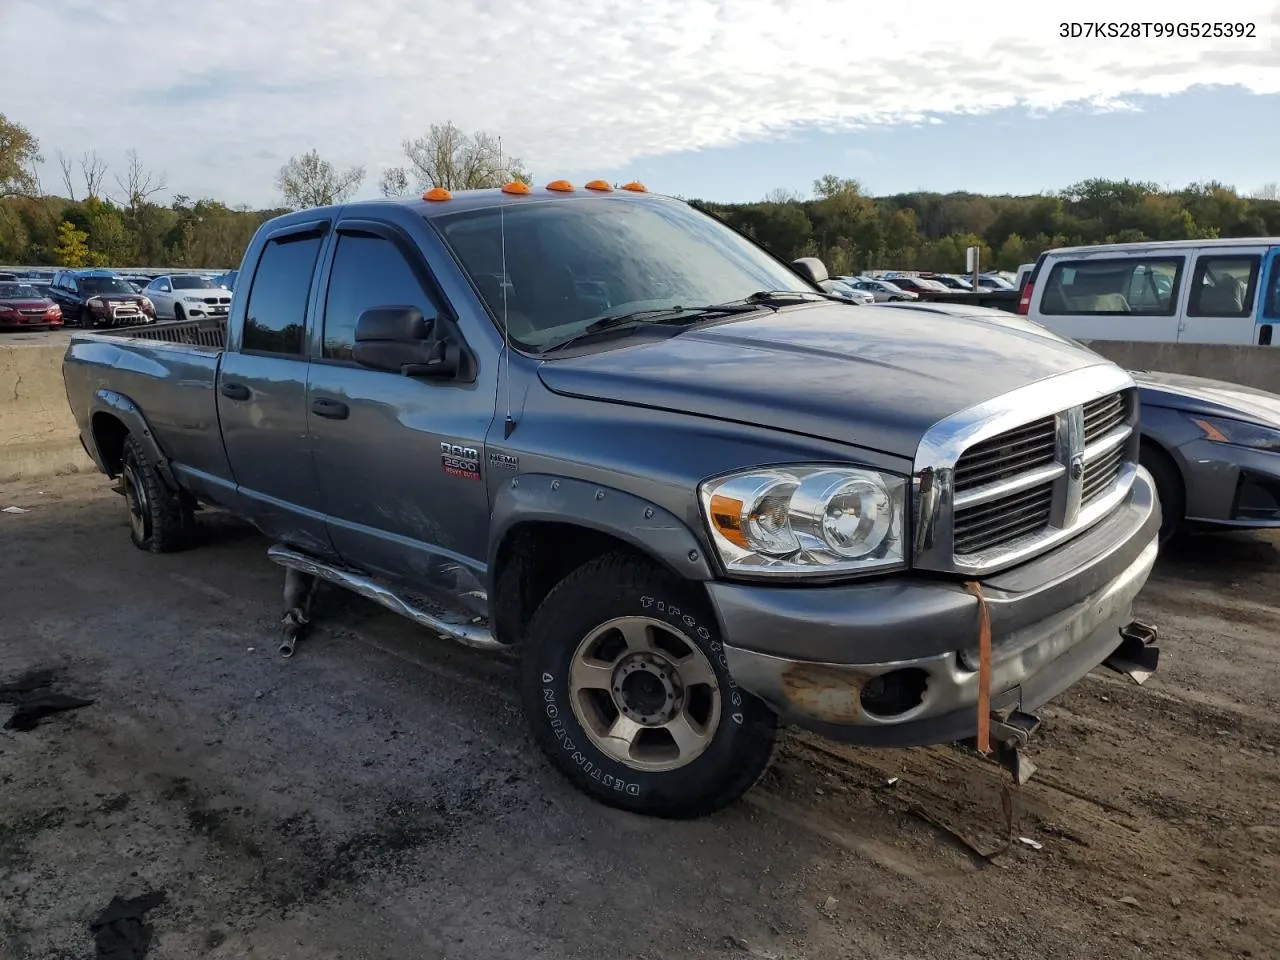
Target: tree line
{"points": [[102, 217]]}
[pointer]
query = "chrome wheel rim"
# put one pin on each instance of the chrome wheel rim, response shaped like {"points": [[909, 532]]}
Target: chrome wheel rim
{"points": [[644, 693]]}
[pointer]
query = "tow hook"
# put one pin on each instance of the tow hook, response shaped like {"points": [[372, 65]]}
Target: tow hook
{"points": [[1012, 730], [1137, 656]]}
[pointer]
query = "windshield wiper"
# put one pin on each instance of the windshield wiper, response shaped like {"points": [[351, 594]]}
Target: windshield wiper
{"points": [[782, 297], [639, 318]]}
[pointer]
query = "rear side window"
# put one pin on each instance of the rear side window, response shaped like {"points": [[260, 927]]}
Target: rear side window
{"points": [[1143, 286], [1223, 286], [367, 272], [275, 319]]}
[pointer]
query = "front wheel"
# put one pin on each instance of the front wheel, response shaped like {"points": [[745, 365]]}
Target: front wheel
{"points": [[625, 683]]}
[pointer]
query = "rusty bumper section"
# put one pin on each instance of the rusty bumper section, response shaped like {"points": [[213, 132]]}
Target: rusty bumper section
{"points": [[934, 699]]}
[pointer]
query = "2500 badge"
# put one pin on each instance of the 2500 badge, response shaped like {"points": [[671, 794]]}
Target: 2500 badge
{"points": [[459, 461]]}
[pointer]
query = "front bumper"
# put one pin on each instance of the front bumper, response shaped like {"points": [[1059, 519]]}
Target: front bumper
{"points": [[816, 655], [1231, 486]]}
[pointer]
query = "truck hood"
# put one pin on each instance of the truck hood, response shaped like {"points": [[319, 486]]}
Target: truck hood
{"points": [[1212, 398], [872, 377]]}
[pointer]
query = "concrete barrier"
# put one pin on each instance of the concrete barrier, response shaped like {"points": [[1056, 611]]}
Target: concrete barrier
{"points": [[38, 435], [1251, 366]]}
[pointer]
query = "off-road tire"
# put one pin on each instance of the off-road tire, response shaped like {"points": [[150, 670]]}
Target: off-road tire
{"points": [[160, 520], [623, 585], [1169, 491]]}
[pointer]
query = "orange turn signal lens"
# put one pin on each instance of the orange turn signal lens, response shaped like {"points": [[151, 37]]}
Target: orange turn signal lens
{"points": [[726, 517], [601, 185], [437, 193], [560, 186], [515, 186], [1210, 431], [635, 186]]}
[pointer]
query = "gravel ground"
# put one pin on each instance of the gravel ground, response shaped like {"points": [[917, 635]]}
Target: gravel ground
{"points": [[378, 797]]}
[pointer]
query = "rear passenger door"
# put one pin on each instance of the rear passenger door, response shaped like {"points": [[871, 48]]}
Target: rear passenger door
{"points": [[398, 506], [262, 394], [1221, 295]]}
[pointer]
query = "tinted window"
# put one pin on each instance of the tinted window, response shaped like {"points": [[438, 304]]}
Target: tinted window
{"points": [[367, 272], [1223, 286], [18, 291], [1147, 286], [571, 261], [275, 319]]}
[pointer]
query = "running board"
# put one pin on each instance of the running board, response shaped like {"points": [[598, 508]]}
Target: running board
{"points": [[468, 634]]}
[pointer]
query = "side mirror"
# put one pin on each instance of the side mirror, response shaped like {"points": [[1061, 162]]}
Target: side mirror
{"points": [[403, 340], [812, 269]]}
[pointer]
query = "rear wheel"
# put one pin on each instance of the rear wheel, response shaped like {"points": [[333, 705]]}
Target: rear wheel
{"points": [[159, 520], [625, 683], [1169, 490]]}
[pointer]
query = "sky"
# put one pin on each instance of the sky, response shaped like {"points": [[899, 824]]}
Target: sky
{"points": [[716, 99]]}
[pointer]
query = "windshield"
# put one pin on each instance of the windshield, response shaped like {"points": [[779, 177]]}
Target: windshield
{"points": [[570, 262], [96, 286], [18, 291], [193, 283]]}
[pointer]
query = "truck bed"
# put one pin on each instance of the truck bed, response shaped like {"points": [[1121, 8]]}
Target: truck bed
{"points": [[167, 373], [197, 333]]}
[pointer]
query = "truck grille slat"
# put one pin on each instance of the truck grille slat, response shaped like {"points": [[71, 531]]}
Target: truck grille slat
{"points": [[992, 524], [1007, 455], [1015, 517], [1100, 475]]}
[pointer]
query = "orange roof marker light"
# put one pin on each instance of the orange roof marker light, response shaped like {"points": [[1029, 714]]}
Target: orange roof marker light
{"points": [[560, 186], [635, 186], [601, 185], [437, 193], [515, 186]]}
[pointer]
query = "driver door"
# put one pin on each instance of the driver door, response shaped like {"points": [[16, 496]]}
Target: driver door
{"points": [[399, 459]]}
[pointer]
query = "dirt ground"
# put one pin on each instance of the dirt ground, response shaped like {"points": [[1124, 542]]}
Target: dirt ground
{"points": [[378, 797]]}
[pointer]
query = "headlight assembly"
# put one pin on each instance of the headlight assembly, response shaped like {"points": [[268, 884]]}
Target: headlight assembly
{"points": [[1239, 432], [806, 520]]}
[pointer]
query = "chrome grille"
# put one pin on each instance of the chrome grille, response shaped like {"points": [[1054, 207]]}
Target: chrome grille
{"points": [[1018, 492]]}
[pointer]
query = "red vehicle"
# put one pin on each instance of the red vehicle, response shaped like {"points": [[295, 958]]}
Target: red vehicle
{"points": [[21, 305]]}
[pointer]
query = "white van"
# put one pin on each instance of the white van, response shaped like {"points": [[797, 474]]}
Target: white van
{"points": [[1181, 291]]}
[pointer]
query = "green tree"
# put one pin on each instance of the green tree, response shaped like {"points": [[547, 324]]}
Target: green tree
{"points": [[19, 155], [72, 249]]}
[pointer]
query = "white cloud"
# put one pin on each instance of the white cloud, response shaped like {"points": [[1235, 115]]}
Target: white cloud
{"points": [[219, 93]]}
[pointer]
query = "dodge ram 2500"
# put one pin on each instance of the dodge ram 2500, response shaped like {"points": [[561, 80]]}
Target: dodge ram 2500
{"points": [[705, 500]]}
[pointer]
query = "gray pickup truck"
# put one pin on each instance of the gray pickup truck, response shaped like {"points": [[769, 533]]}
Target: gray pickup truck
{"points": [[704, 499]]}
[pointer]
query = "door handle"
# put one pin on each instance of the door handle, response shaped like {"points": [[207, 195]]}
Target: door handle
{"points": [[235, 391], [332, 409]]}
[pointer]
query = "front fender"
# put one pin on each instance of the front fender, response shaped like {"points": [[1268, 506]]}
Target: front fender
{"points": [[127, 412], [646, 526]]}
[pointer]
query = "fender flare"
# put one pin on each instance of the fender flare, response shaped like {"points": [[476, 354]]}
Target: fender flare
{"points": [[128, 413], [649, 528]]}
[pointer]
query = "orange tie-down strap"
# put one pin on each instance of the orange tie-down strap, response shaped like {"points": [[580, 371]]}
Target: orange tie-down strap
{"points": [[984, 668]]}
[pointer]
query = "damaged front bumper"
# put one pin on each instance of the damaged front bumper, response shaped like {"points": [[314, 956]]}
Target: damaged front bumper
{"points": [[896, 663]]}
